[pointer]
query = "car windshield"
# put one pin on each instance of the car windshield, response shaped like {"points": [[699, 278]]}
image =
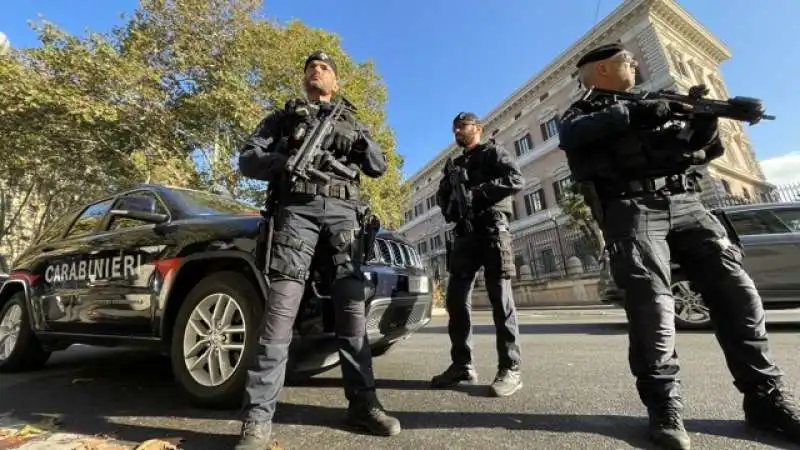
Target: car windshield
{"points": [[207, 204]]}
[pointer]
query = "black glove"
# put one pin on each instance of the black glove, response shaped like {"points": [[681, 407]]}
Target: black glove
{"points": [[343, 140], [649, 113]]}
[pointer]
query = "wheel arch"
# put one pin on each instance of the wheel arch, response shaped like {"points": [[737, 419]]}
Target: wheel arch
{"points": [[12, 287], [196, 267]]}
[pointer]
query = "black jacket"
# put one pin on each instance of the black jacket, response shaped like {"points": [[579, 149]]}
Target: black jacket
{"points": [[493, 177], [263, 154], [601, 145]]}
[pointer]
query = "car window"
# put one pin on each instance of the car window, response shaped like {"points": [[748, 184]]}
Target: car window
{"points": [[208, 204], [756, 222], [57, 229], [790, 217], [127, 222], [90, 218]]}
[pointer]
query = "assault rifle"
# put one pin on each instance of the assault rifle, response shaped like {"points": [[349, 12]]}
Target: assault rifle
{"points": [[306, 163], [315, 133], [743, 109], [460, 196]]}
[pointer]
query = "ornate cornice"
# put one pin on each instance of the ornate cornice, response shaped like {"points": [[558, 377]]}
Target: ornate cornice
{"points": [[668, 12], [674, 17]]}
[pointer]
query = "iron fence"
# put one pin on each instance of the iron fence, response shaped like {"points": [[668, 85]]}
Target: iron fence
{"points": [[778, 194], [546, 253], [557, 252]]}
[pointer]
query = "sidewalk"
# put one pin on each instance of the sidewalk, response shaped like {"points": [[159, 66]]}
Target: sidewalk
{"points": [[18, 435], [580, 310]]}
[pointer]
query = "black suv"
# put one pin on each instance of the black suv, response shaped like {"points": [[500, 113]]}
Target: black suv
{"points": [[174, 268]]}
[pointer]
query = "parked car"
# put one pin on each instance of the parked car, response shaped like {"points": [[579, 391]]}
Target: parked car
{"points": [[175, 270], [3, 270], [770, 238]]}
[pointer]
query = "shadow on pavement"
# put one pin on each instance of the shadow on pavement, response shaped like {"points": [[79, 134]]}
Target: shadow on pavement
{"points": [[544, 328], [600, 328], [86, 393], [631, 430]]}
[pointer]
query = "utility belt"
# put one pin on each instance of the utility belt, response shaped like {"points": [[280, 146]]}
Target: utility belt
{"points": [[342, 191], [668, 185]]}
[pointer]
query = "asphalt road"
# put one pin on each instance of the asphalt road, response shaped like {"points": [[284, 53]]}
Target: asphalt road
{"points": [[578, 394]]}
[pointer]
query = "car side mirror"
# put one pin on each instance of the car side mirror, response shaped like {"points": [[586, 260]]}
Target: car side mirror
{"points": [[139, 207]]}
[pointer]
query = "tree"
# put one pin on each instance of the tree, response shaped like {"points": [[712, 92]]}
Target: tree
{"points": [[574, 206], [167, 97]]}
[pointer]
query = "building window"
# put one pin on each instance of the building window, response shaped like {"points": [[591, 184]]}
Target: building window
{"points": [[549, 128], [523, 145], [678, 63], [534, 202], [698, 72], [513, 210], [561, 188], [431, 201], [409, 216], [517, 115], [419, 208], [436, 243]]}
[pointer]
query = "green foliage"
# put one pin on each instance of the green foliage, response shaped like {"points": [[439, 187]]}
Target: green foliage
{"points": [[574, 206], [167, 97]]}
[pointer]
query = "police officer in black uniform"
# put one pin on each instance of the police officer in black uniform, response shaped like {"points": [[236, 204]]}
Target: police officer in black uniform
{"points": [[637, 172], [493, 177], [312, 216]]}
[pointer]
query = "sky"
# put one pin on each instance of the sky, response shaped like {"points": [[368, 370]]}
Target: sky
{"points": [[439, 57]]}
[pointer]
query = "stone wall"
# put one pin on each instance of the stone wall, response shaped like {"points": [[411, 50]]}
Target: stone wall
{"points": [[576, 289]]}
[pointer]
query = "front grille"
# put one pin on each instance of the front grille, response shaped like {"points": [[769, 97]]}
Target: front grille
{"points": [[396, 253], [387, 319]]}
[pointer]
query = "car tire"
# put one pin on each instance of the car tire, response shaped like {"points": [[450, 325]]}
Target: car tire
{"points": [[233, 287], [27, 352], [691, 313]]}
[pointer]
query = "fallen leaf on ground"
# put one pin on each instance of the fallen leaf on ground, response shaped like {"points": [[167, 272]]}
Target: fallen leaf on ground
{"points": [[13, 441], [158, 444], [29, 430], [98, 444], [275, 446]]}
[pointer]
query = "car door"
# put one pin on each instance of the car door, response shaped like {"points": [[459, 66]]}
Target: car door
{"points": [[122, 299], [770, 251], [64, 267]]}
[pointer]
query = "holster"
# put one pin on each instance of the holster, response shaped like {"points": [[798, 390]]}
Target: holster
{"points": [[364, 246]]}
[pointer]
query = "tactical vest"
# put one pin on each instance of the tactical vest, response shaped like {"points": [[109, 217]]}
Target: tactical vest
{"points": [[478, 166], [632, 155]]}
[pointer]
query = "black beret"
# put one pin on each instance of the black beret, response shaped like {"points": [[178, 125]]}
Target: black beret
{"points": [[319, 55], [600, 53], [466, 116]]}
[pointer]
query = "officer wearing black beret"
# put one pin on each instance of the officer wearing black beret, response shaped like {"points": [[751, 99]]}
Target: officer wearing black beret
{"points": [[493, 178], [311, 212], [635, 165]]}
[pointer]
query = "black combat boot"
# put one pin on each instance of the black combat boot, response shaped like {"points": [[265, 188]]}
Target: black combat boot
{"points": [[507, 382], [255, 436], [772, 408], [368, 414], [455, 375], [666, 428]]}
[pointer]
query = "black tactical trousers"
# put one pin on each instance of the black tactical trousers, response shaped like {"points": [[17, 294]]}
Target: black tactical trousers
{"points": [[644, 234], [303, 223], [489, 246]]}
